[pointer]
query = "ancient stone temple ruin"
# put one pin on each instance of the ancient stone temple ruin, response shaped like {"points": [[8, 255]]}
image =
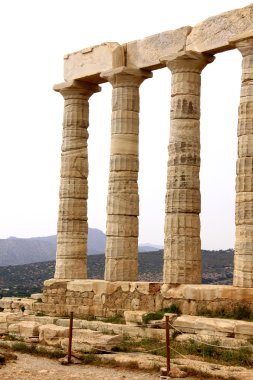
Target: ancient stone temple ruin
{"points": [[185, 52]]}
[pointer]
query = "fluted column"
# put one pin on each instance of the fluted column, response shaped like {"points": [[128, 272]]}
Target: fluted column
{"points": [[243, 259], [72, 228], [182, 247], [123, 198]]}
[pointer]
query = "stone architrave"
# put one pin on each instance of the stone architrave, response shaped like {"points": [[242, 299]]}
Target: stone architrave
{"points": [[72, 228], [243, 259], [123, 198], [182, 247]]}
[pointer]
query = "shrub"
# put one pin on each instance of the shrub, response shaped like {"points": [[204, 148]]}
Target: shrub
{"points": [[23, 347], [241, 312], [157, 315]]}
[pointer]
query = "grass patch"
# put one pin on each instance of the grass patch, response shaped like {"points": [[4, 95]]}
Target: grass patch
{"points": [[32, 349], [25, 348], [90, 358], [93, 359], [87, 317], [240, 357], [10, 337], [116, 319], [142, 345], [157, 315], [55, 354], [241, 312]]}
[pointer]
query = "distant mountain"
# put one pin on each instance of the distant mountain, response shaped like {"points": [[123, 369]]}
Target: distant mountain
{"points": [[150, 247], [96, 241], [18, 251]]}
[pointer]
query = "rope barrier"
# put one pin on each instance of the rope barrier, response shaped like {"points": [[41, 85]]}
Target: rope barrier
{"points": [[179, 353], [142, 352]]}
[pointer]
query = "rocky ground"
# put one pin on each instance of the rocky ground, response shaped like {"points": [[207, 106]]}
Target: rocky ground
{"points": [[30, 367], [38, 368]]}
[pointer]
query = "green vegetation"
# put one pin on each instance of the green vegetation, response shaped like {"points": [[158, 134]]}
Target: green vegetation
{"points": [[142, 345], [240, 312], [241, 357], [32, 349], [25, 348], [109, 362], [116, 319], [52, 354], [157, 315]]}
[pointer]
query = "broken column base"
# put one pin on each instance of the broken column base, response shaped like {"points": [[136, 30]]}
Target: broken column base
{"points": [[101, 298]]}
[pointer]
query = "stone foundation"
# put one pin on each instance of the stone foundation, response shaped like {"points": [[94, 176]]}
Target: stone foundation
{"points": [[103, 298]]}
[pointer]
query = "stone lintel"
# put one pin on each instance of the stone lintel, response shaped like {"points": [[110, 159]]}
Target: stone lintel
{"points": [[55, 281], [145, 53], [212, 35], [90, 62], [243, 42], [241, 37], [123, 75], [84, 88]]}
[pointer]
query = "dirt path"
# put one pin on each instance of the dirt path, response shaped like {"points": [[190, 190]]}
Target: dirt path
{"points": [[38, 368]]}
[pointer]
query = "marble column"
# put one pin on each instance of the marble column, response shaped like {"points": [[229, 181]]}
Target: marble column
{"points": [[72, 228], [123, 198], [243, 259], [182, 246]]}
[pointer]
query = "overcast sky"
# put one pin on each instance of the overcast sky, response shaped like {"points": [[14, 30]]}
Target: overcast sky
{"points": [[35, 35]]}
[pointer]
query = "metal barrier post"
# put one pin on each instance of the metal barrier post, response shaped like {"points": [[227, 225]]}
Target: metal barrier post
{"points": [[167, 327], [70, 336]]}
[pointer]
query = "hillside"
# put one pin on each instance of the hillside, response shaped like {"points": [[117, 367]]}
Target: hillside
{"points": [[26, 279], [18, 251]]}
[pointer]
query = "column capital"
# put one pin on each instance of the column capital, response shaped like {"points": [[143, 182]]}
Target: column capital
{"points": [[126, 77], [187, 61], [76, 87], [243, 42]]}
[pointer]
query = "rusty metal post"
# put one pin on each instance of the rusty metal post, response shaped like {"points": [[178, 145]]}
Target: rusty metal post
{"points": [[70, 336], [167, 328]]}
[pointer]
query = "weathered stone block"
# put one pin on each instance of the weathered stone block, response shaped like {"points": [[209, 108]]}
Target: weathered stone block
{"points": [[25, 328], [10, 318], [212, 35], [134, 317], [51, 334], [243, 329], [146, 53], [90, 62], [92, 341]]}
